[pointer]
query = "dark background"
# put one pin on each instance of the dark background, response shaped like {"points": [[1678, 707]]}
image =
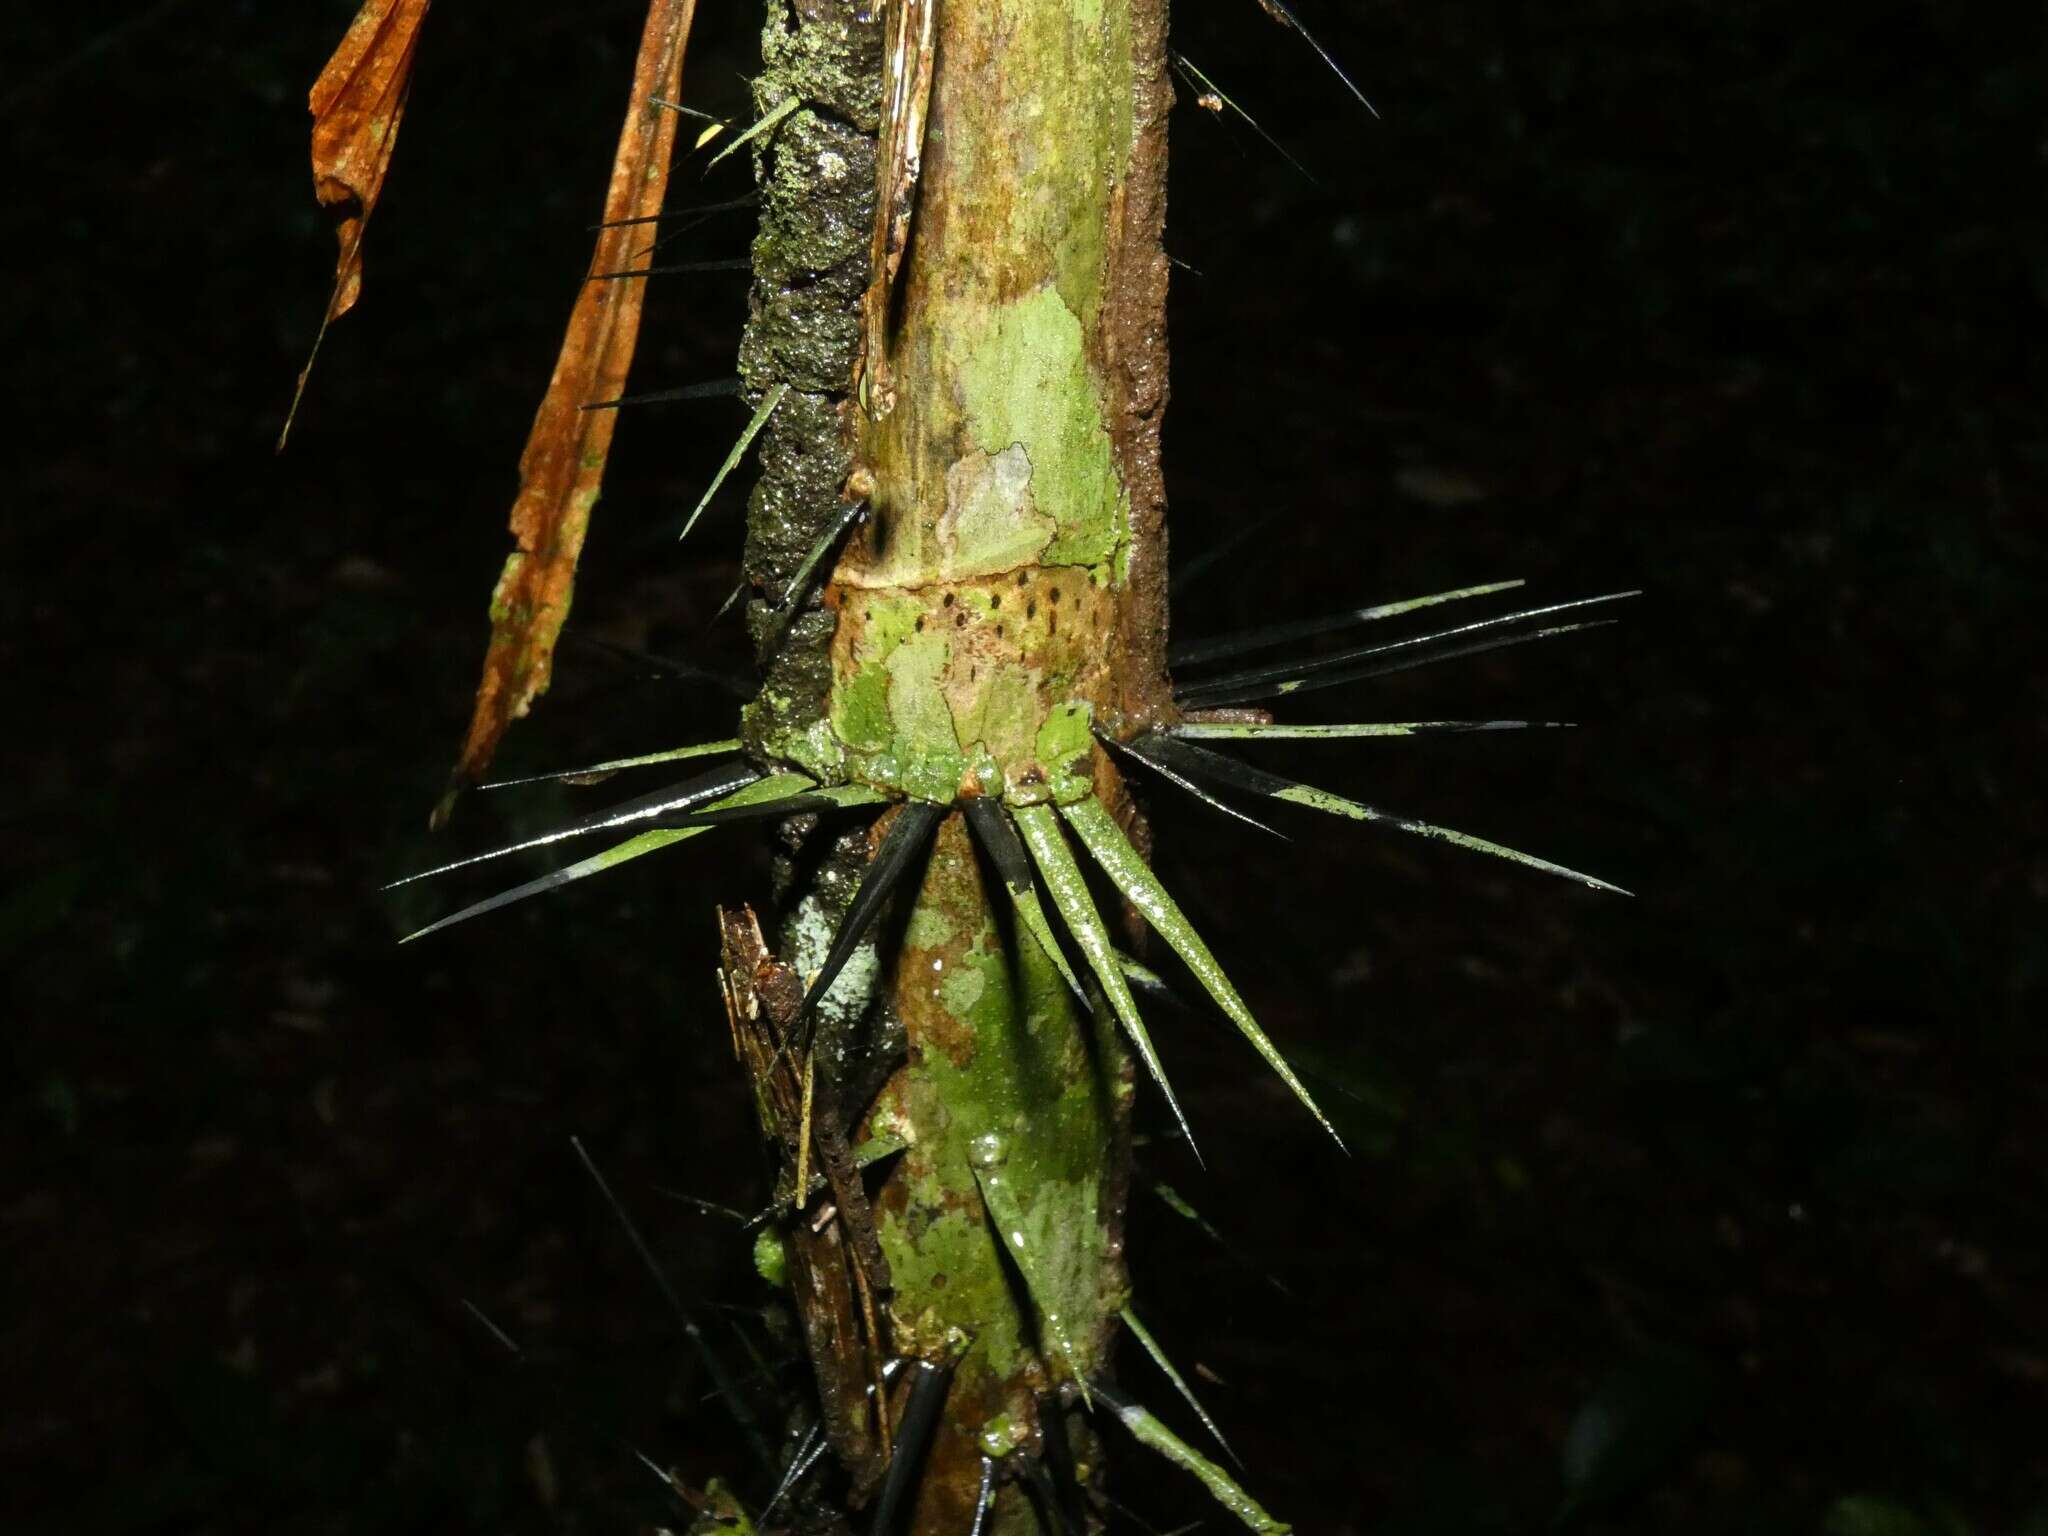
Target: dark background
{"points": [[1716, 1210]]}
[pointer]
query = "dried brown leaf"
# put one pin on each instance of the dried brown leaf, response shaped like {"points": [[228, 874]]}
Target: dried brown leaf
{"points": [[357, 104], [562, 468]]}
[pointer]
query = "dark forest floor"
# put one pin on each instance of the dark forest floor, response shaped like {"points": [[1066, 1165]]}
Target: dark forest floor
{"points": [[1746, 1175]]}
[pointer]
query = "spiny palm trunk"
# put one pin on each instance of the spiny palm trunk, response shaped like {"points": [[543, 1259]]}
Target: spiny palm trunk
{"points": [[957, 349], [1004, 592]]}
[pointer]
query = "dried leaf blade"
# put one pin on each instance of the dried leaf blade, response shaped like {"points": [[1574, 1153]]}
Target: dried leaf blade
{"points": [[357, 105], [562, 467]]}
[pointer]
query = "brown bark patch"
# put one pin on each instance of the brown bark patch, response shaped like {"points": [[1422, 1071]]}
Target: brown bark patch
{"points": [[1136, 357]]}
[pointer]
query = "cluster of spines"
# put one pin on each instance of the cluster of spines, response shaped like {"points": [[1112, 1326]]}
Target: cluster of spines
{"points": [[1031, 847]]}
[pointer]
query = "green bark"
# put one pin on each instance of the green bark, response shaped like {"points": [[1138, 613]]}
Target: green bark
{"points": [[1003, 1219], [1003, 597]]}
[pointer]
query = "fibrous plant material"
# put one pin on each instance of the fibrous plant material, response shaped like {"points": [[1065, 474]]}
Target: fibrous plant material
{"points": [[954, 364], [837, 1264]]}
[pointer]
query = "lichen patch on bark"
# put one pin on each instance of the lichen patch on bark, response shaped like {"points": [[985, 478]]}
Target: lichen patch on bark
{"points": [[816, 173]]}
